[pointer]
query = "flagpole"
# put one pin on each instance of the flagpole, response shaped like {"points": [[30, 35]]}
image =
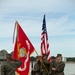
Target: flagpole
{"points": [[14, 32], [15, 27], [15, 36], [41, 61]]}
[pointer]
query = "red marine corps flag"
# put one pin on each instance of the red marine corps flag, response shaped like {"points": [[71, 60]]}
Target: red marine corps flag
{"points": [[44, 40], [22, 51]]}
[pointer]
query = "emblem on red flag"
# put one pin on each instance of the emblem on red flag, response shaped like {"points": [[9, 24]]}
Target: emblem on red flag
{"points": [[22, 50]]}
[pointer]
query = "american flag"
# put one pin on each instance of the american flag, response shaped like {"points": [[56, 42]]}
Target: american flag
{"points": [[44, 40]]}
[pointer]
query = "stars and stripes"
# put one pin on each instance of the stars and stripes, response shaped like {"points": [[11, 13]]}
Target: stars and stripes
{"points": [[44, 40]]}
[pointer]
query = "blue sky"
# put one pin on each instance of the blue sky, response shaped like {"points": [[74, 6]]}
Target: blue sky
{"points": [[60, 22]]}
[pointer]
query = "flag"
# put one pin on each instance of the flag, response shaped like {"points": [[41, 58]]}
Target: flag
{"points": [[22, 51], [44, 40]]}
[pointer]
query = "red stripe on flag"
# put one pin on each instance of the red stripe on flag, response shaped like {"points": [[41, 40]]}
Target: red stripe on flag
{"points": [[44, 40]]}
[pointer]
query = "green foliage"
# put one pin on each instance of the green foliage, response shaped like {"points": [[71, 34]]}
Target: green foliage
{"points": [[32, 58], [71, 59]]}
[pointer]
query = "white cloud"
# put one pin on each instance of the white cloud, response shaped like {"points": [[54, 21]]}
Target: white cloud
{"points": [[60, 26], [64, 46], [55, 27], [37, 6], [28, 13], [7, 45], [6, 29]]}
